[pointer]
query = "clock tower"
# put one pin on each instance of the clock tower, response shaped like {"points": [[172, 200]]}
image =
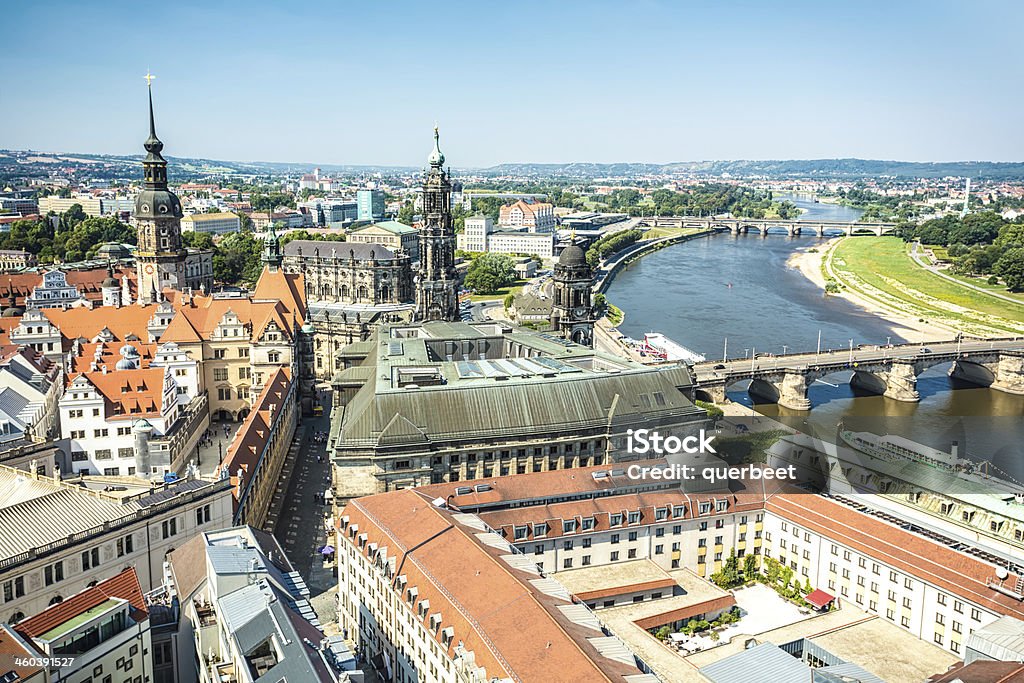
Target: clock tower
{"points": [[572, 312], [159, 257], [437, 283]]}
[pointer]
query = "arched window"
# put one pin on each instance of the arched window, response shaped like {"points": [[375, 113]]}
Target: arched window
{"points": [[16, 617], [56, 600], [361, 293]]}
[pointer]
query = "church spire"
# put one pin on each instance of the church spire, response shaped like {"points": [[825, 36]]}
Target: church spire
{"points": [[154, 165]]}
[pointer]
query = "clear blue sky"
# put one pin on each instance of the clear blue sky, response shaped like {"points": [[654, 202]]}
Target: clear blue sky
{"points": [[650, 80]]}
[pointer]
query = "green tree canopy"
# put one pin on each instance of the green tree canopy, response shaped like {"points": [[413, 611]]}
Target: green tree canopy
{"points": [[489, 273]]}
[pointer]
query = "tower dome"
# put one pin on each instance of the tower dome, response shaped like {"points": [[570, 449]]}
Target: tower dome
{"points": [[129, 358], [572, 255], [436, 157]]}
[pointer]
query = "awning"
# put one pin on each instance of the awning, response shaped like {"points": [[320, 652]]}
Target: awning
{"points": [[819, 598]]}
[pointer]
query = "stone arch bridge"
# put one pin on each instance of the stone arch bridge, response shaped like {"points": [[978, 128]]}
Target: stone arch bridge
{"points": [[763, 226], [887, 370]]}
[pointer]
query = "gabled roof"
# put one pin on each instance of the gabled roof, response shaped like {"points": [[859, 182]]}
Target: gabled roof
{"points": [[499, 610], [252, 437], [130, 394], [124, 585], [288, 288]]}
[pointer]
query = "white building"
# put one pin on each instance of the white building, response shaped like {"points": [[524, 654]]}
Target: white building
{"points": [[30, 387], [528, 215], [213, 223], [55, 292], [479, 235], [59, 538], [109, 417]]}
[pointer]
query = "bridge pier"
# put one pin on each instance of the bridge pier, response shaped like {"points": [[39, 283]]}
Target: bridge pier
{"points": [[819, 230], [1004, 374], [899, 382], [793, 391]]}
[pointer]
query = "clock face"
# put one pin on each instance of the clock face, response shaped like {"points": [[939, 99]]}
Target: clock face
{"points": [[149, 269]]}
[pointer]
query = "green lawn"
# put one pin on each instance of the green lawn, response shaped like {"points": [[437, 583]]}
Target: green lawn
{"points": [[516, 287], [881, 269]]}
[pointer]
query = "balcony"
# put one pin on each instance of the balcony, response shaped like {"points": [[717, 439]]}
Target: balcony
{"points": [[225, 673]]}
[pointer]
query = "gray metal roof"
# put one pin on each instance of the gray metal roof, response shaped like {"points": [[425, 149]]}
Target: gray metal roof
{"points": [[557, 386], [1002, 640], [338, 250], [764, 663]]}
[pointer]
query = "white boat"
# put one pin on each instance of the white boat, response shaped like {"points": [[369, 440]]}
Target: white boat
{"points": [[894, 448], [660, 346]]}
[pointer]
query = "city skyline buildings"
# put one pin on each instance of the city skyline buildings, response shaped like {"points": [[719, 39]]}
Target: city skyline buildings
{"points": [[607, 83]]}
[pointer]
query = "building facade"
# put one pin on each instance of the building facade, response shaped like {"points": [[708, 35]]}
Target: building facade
{"points": [[64, 537], [98, 634], [370, 205], [391, 234], [530, 216], [213, 223], [430, 403]]}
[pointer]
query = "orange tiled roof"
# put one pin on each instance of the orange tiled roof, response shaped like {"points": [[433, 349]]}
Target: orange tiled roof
{"points": [[251, 438], [85, 323], [287, 287], [124, 585], [11, 646], [109, 354], [130, 394], [493, 609], [199, 320]]}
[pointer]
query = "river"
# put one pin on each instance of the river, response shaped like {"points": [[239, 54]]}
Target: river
{"points": [[734, 294]]}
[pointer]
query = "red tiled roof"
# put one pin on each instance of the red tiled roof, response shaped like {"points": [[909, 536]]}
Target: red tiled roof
{"points": [[718, 604], [493, 609], [644, 586], [12, 646], [130, 394], [124, 585], [252, 437], [819, 598]]}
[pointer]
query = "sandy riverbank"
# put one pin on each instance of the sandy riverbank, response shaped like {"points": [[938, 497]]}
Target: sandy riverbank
{"points": [[907, 326]]}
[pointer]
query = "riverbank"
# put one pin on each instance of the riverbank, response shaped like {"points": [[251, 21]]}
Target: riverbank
{"points": [[810, 262]]}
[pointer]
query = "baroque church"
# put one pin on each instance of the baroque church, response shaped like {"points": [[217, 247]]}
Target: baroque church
{"points": [[352, 288]]}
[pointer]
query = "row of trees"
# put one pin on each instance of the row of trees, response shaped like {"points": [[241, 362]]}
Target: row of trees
{"points": [[610, 244]]}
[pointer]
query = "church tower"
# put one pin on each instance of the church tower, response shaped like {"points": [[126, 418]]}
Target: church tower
{"points": [[572, 312], [159, 258], [437, 283]]}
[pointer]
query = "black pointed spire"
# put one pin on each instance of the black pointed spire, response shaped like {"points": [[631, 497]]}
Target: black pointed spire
{"points": [[154, 166], [153, 144]]}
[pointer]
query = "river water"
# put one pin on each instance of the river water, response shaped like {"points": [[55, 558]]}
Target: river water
{"points": [[734, 295]]}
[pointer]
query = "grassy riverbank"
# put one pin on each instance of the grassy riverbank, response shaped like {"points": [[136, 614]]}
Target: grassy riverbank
{"points": [[881, 269]]}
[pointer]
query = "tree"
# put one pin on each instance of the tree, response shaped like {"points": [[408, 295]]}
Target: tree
{"points": [[1010, 267], [237, 259], [244, 222], [749, 567], [509, 300], [73, 216], [976, 228], [407, 213], [489, 273], [197, 240], [663, 632]]}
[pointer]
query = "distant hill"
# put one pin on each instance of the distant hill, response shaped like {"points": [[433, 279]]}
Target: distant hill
{"points": [[20, 163], [796, 168]]}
